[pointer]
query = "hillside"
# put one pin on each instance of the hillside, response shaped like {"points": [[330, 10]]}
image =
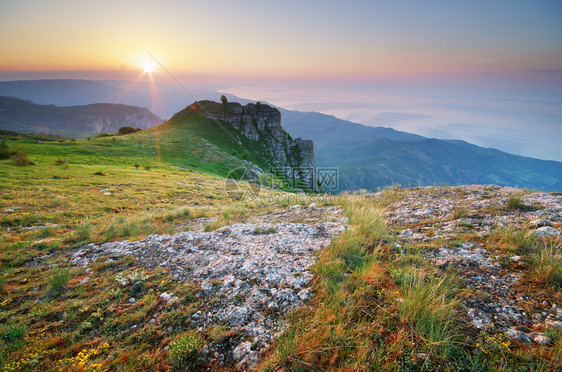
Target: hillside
{"points": [[74, 121], [369, 158], [253, 133], [109, 266]]}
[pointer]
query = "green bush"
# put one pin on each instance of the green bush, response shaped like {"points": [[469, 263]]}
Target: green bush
{"points": [[5, 151], [20, 159], [127, 130], [184, 352]]}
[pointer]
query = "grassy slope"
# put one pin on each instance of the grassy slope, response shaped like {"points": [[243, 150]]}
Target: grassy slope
{"points": [[381, 308], [429, 162], [221, 134], [48, 319], [373, 309]]}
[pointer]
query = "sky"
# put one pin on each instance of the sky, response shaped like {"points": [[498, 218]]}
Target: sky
{"points": [[489, 72]]}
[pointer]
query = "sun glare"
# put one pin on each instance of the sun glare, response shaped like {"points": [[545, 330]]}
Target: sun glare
{"points": [[148, 67]]}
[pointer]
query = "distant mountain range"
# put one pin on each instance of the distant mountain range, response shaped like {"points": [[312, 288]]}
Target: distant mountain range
{"points": [[366, 157], [373, 157], [73, 121]]}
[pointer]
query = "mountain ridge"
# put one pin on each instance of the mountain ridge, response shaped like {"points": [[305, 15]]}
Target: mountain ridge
{"points": [[356, 150], [77, 121]]}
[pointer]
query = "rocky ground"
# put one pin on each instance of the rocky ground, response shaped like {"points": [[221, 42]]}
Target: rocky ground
{"points": [[249, 274], [454, 229]]}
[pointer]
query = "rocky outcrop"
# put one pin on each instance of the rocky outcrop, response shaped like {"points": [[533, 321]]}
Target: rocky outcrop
{"points": [[262, 123], [249, 274], [457, 229]]}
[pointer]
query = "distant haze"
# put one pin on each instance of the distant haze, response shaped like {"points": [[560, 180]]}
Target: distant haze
{"points": [[521, 115], [489, 72]]}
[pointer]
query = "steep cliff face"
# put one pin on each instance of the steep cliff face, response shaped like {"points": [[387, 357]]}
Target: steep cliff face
{"points": [[261, 124]]}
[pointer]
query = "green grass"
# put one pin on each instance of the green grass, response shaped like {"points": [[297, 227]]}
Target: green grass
{"points": [[363, 316], [428, 306], [459, 212], [68, 206], [515, 202], [184, 352], [547, 263], [58, 281]]}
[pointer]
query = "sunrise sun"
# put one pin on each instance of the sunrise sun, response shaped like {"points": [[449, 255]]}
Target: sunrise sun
{"points": [[148, 67]]}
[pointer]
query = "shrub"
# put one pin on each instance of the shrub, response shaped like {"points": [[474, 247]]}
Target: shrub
{"points": [[99, 173], [13, 336], [137, 165], [20, 159], [60, 161], [147, 167], [127, 130], [184, 352], [59, 281], [5, 151]]}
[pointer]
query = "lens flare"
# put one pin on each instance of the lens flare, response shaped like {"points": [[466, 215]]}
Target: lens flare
{"points": [[148, 67]]}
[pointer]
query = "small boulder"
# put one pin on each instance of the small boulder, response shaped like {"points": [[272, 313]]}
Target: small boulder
{"points": [[517, 335], [546, 231], [542, 340]]}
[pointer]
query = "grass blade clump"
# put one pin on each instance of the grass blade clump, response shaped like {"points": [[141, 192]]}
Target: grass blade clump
{"points": [[185, 352], [58, 282], [426, 306], [547, 262]]}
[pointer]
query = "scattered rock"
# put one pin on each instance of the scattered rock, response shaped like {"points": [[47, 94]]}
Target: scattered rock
{"points": [[517, 335], [542, 340], [546, 231], [11, 210], [241, 350]]}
